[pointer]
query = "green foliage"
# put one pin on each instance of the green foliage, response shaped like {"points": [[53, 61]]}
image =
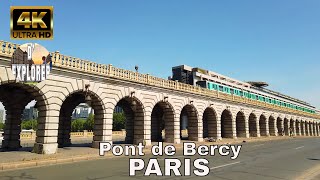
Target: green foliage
{"points": [[2, 125], [29, 124], [89, 124], [119, 121], [77, 125]]}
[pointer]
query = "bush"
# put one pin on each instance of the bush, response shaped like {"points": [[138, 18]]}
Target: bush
{"points": [[29, 124], [119, 121], [77, 125]]}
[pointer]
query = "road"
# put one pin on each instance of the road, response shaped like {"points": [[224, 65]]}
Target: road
{"points": [[281, 159]]}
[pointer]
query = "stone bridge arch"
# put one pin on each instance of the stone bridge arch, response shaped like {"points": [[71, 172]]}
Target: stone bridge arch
{"points": [[69, 103], [253, 125], [162, 122], [210, 123], [241, 127], [272, 126]]}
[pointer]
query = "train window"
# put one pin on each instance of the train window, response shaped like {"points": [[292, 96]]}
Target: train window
{"points": [[232, 91], [221, 88], [215, 86]]}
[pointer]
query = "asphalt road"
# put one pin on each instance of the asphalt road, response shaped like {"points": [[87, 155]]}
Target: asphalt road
{"points": [[281, 159]]}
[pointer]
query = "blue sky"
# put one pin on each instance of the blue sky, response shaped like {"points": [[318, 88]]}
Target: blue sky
{"points": [[273, 41]]}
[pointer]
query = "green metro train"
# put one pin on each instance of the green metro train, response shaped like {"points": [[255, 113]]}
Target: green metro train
{"points": [[251, 95]]}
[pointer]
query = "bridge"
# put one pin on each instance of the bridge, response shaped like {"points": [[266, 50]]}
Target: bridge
{"points": [[150, 104]]}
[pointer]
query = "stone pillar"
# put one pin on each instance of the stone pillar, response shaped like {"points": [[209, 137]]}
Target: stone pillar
{"points": [[12, 129], [258, 127], [294, 128], [219, 127], [267, 127], [147, 129], [234, 129], [282, 127], [247, 126], [200, 128], [176, 125], [307, 129], [102, 131], [298, 127], [47, 133]]}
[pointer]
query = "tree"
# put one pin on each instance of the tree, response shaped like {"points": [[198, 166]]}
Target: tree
{"points": [[89, 124], [29, 124], [77, 125], [119, 121]]}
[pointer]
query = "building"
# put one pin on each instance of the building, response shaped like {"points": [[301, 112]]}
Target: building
{"points": [[31, 113], [118, 109], [82, 111]]}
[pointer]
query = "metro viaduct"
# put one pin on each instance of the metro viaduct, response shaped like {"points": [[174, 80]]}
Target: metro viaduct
{"points": [[148, 103]]}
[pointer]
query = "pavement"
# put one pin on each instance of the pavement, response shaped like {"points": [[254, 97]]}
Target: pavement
{"points": [[281, 158]]}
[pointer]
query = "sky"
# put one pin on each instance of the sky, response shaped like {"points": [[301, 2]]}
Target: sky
{"points": [[273, 41]]}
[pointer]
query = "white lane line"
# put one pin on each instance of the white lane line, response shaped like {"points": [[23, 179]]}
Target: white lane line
{"points": [[257, 145], [299, 147], [216, 167]]}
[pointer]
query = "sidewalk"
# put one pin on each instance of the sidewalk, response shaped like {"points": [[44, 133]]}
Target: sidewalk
{"points": [[24, 158]]}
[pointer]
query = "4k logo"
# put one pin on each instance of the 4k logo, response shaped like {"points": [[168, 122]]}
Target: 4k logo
{"points": [[31, 22]]}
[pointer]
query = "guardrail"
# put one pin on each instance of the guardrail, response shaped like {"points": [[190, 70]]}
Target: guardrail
{"points": [[68, 62]]}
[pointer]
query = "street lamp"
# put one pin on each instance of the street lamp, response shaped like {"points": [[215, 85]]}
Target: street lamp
{"points": [[87, 99]]}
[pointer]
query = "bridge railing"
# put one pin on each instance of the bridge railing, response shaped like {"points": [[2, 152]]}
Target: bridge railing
{"points": [[60, 60]]}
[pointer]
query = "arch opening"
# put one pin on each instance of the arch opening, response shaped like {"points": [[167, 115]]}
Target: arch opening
{"points": [[286, 127], [162, 122], [226, 124], [272, 126], [298, 128], [189, 123], [240, 124], [134, 120], [22, 105], [263, 126], [209, 123], [253, 131], [280, 127], [78, 115]]}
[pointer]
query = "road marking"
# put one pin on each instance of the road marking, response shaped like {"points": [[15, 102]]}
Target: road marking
{"points": [[299, 147], [216, 167], [257, 145]]}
